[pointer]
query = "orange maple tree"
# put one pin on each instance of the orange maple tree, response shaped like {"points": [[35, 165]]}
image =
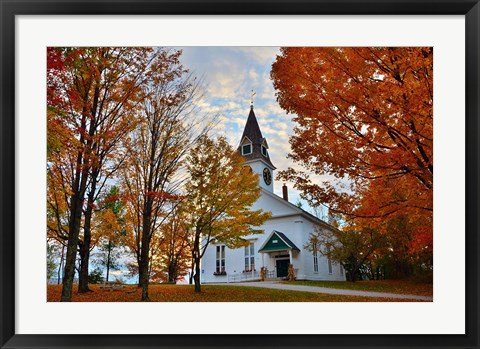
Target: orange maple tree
{"points": [[364, 117]]}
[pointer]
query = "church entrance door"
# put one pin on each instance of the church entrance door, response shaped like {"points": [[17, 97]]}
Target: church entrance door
{"points": [[282, 267]]}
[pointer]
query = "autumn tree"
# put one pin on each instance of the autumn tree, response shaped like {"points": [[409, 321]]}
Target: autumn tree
{"points": [[158, 261], [57, 209], [175, 249], [364, 117], [57, 202], [156, 267], [108, 257], [350, 248], [92, 95], [150, 181], [59, 142], [397, 259], [220, 192], [111, 223]]}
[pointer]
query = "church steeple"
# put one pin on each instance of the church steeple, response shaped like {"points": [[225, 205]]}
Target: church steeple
{"points": [[254, 147]]}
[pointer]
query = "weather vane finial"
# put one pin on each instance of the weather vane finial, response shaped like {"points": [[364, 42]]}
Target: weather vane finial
{"points": [[251, 101]]}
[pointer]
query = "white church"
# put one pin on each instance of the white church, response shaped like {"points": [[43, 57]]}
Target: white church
{"points": [[284, 236]]}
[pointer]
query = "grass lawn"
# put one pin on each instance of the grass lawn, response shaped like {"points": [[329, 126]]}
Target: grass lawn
{"points": [[389, 286], [210, 293]]}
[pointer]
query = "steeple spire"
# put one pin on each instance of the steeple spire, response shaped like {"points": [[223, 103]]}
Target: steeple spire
{"points": [[252, 135], [251, 99]]}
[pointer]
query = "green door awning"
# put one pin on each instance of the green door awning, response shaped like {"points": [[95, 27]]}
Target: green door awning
{"points": [[278, 242]]}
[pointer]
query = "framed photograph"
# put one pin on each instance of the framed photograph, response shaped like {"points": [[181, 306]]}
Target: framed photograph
{"points": [[339, 229]]}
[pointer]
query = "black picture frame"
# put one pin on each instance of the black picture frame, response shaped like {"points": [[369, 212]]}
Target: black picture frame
{"points": [[10, 8]]}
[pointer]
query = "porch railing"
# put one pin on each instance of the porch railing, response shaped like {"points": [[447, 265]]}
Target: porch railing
{"points": [[245, 276], [272, 274]]}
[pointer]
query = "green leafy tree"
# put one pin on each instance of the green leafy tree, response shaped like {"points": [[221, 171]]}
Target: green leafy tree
{"points": [[350, 248], [95, 276], [51, 261]]}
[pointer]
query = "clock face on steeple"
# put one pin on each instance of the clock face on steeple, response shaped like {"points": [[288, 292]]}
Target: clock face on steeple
{"points": [[267, 176]]}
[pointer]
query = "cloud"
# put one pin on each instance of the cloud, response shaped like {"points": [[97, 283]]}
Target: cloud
{"points": [[261, 55], [274, 108], [230, 74], [253, 75]]}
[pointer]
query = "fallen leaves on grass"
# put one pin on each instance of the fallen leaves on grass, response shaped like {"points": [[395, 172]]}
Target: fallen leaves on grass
{"points": [[210, 293]]}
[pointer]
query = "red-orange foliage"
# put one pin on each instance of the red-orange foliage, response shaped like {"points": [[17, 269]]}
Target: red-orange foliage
{"points": [[364, 116]]}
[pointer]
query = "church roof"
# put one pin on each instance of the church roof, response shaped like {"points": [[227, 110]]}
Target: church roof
{"points": [[253, 133], [277, 241], [297, 211], [287, 241]]}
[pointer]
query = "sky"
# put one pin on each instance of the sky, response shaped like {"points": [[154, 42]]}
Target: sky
{"points": [[230, 74]]}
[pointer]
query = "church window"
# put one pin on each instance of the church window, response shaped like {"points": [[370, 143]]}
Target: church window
{"points": [[264, 150], [329, 266], [341, 270], [315, 261], [246, 149], [220, 259], [250, 257]]}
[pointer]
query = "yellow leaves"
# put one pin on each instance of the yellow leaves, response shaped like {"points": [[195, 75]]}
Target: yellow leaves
{"points": [[109, 224], [221, 190]]}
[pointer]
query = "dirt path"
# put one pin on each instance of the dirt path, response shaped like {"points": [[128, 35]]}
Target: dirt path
{"points": [[281, 286]]}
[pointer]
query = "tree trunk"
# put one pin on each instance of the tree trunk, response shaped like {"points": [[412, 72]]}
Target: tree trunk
{"points": [[143, 276], [84, 262], [196, 259], [84, 251], [74, 230], [172, 271], [196, 278], [76, 206], [355, 269], [83, 269], [108, 261], [191, 273], [352, 274], [145, 251], [87, 237]]}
